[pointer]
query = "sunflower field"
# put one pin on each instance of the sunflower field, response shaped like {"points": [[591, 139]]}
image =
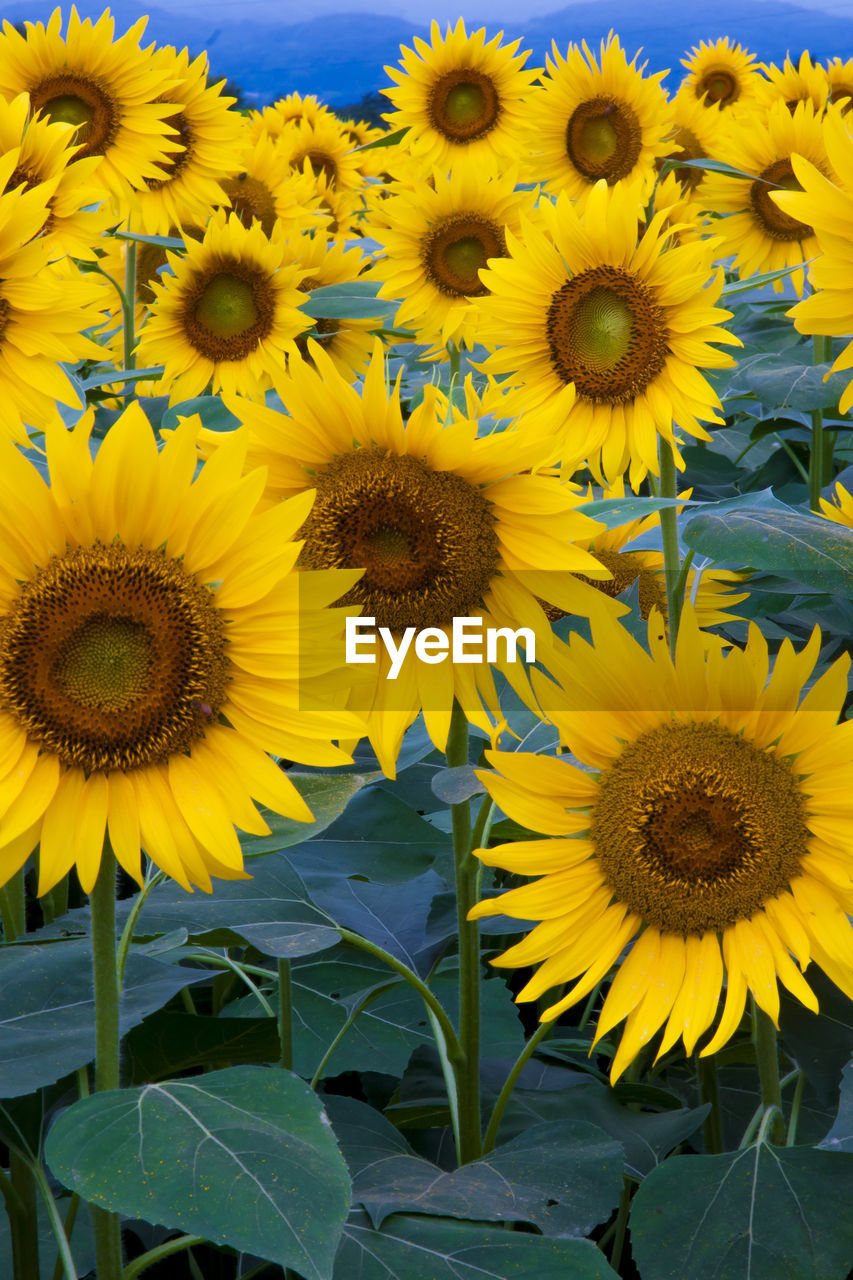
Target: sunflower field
{"points": [[426, 599]]}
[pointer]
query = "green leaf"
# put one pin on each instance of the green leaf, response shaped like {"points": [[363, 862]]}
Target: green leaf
{"points": [[379, 838], [274, 906], [613, 512], [170, 1042], [47, 1009], [564, 1178], [757, 281], [210, 409], [783, 384], [715, 166], [355, 300], [165, 242], [452, 786], [769, 1213], [244, 1157], [82, 1243], [646, 1136], [108, 377], [388, 140], [327, 796], [820, 1043], [439, 1249], [396, 917], [782, 542]]}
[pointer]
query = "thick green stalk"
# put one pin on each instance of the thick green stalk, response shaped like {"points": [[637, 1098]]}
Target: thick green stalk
{"points": [[141, 1264], [24, 1224], [105, 972], [767, 1058], [285, 1015], [706, 1071], [468, 1073], [669, 533], [129, 313], [505, 1094], [13, 907]]}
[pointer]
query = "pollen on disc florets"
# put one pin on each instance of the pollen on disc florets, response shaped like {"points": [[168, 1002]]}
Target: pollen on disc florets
{"points": [[425, 538], [113, 658], [607, 334], [696, 827]]}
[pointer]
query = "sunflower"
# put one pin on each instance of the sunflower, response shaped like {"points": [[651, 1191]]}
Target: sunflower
{"points": [[272, 121], [444, 525], [45, 310], [45, 151], [460, 97], [697, 135], [712, 592], [109, 90], [211, 137], [324, 149], [711, 815], [436, 236], [347, 342], [761, 235], [601, 336], [840, 509], [596, 119], [840, 77], [268, 189], [721, 74], [228, 313], [805, 82], [828, 204], [149, 624]]}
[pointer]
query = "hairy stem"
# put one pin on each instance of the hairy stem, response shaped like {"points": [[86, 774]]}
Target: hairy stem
{"points": [[105, 973]]}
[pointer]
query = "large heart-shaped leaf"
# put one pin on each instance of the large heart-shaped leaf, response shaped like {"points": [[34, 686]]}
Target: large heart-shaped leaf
{"points": [[244, 1157]]}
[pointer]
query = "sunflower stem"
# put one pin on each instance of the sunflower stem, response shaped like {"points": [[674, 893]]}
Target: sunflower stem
{"points": [[13, 907], [105, 972], [146, 1260], [128, 307], [669, 534], [621, 1225], [767, 1059], [503, 1098], [797, 1102], [468, 1071], [285, 1015], [454, 355], [24, 1223], [150, 883], [709, 1091]]}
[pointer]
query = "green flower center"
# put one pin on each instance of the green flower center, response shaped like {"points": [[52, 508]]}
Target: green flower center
{"points": [[464, 105], [106, 663], [604, 139], [456, 249], [113, 658], [607, 334], [228, 310], [227, 306], [84, 102]]}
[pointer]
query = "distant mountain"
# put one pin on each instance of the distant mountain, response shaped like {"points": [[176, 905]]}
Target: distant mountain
{"points": [[341, 57]]}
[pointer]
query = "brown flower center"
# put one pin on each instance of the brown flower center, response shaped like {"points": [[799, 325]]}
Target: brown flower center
{"points": [[774, 222], [720, 85], [425, 538], [251, 199], [113, 659], [607, 334], [456, 249], [464, 105], [84, 102], [228, 310], [176, 160], [696, 827], [604, 139]]}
